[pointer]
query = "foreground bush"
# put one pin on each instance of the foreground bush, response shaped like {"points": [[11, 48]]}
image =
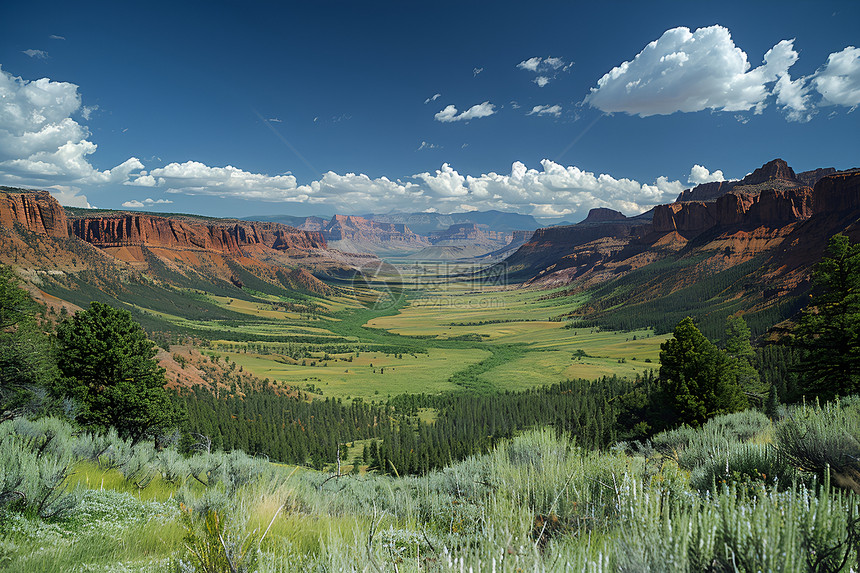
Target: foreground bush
{"points": [[723, 498], [824, 439]]}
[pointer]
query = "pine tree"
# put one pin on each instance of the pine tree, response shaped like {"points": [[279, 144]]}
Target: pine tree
{"points": [[742, 354], [698, 378], [829, 328], [27, 364], [108, 367]]}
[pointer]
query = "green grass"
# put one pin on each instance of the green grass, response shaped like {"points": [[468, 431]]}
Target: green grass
{"points": [[90, 476], [364, 376]]}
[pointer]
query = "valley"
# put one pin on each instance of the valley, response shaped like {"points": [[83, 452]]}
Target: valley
{"points": [[323, 366]]}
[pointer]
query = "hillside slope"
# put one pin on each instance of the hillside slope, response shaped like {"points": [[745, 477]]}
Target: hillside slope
{"points": [[124, 257], [749, 250]]}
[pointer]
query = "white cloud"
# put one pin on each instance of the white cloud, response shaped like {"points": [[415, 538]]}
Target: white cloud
{"points": [[838, 81], [350, 192], [531, 64], [555, 189], [477, 71], [554, 63], [552, 189], [40, 143], [539, 64], [143, 180], [353, 192], [450, 114], [794, 98], [87, 111], [195, 178], [446, 183], [700, 174], [554, 110], [55, 37], [691, 71], [434, 97], [69, 196], [135, 204], [546, 67], [40, 54]]}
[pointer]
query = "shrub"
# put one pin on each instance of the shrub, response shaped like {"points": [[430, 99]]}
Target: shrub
{"points": [[815, 438], [35, 461]]}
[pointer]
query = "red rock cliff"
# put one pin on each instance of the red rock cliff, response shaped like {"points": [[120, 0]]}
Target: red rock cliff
{"points": [[836, 193], [769, 207], [153, 231], [38, 211]]}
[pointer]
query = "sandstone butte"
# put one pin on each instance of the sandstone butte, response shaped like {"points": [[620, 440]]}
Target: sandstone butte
{"points": [[40, 213]]}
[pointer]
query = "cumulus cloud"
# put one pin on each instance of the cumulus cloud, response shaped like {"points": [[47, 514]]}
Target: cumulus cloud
{"points": [[135, 204], [838, 81], [358, 192], [445, 183], [554, 110], [700, 174], [40, 143], [434, 97], [450, 114], [691, 71], [553, 190], [541, 81], [350, 192], [69, 196], [195, 178]]}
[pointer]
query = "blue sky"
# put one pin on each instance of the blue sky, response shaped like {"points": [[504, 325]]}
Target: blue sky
{"points": [[232, 109]]}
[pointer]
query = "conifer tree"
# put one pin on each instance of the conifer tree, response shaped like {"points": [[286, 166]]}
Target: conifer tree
{"points": [[108, 367], [829, 328], [699, 380], [27, 364], [741, 353]]}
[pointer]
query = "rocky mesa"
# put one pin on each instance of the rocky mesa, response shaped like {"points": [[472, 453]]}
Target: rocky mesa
{"points": [[36, 211], [228, 237]]}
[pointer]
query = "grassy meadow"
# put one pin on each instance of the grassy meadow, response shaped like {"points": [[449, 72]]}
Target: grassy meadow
{"points": [[371, 375], [351, 346]]}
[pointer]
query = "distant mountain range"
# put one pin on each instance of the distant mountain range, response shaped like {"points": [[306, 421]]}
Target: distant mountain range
{"points": [[458, 235], [426, 223], [743, 246]]}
